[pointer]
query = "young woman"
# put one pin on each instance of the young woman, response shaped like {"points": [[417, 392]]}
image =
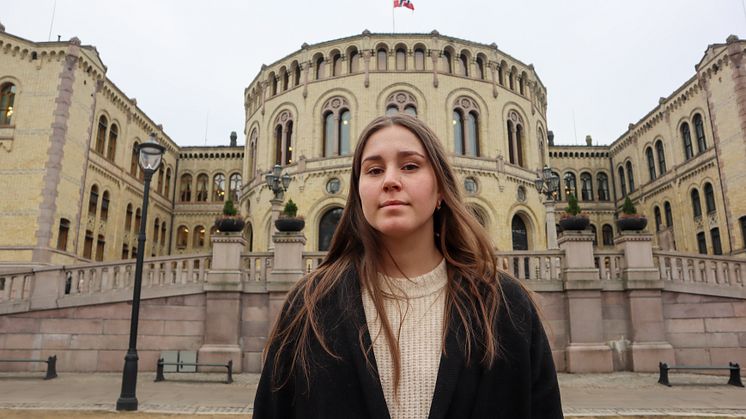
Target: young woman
{"points": [[408, 316]]}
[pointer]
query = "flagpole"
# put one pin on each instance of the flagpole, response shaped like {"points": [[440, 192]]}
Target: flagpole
{"points": [[393, 20]]}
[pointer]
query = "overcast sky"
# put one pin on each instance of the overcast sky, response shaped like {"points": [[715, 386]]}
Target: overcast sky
{"points": [[604, 63]]}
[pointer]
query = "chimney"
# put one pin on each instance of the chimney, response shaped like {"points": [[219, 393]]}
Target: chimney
{"points": [[550, 137], [588, 140], [233, 138]]}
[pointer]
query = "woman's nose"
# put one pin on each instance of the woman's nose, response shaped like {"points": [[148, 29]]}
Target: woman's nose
{"points": [[391, 180]]}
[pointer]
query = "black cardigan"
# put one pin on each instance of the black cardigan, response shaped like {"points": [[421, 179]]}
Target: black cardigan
{"points": [[521, 384]]}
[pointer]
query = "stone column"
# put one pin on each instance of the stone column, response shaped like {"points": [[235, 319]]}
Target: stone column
{"points": [[643, 283], [223, 302], [551, 225], [287, 268], [276, 209], [586, 351]]}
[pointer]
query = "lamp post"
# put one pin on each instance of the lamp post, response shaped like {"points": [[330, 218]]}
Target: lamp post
{"points": [[278, 184], [150, 158], [547, 184]]}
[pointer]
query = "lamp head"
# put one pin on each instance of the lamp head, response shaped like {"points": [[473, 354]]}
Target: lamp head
{"points": [[151, 154]]}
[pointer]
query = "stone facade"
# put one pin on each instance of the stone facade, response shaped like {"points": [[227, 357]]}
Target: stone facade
{"points": [[66, 152]]}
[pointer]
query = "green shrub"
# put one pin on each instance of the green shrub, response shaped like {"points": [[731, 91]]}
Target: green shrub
{"points": [[572, 205], [628, 208], [229, 208], [290, 210]]}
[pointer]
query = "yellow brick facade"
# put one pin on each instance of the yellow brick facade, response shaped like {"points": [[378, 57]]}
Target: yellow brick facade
{"points": [[66, 113]]}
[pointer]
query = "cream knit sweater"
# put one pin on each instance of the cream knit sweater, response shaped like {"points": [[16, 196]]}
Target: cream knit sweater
{"points": [[419, 312]]}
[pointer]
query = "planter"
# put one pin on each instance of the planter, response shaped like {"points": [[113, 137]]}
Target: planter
{"points": [[290, 224], [229, 224], [631, 223], [574, 223]]}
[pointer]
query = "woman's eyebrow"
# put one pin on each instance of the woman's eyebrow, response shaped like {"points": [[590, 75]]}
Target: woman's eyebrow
{"points": [[400, 154]]}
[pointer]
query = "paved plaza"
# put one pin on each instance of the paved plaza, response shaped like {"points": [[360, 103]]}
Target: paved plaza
{"points": [[623, 394]]}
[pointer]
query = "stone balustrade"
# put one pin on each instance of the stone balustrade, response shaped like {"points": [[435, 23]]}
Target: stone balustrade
{"points": [[702, 274]]}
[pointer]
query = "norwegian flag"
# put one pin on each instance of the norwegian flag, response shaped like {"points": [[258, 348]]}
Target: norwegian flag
{"points": [[404, 3]]}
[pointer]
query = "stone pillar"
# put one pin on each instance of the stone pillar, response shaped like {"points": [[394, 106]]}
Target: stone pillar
{"points": [[275, 211], [48, 286], [551, 225], [586, 350], [287, 268], [223, 303], [643, 284]]}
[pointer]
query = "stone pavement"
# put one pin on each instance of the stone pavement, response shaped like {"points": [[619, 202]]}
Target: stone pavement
{"points": [[623, 394]]}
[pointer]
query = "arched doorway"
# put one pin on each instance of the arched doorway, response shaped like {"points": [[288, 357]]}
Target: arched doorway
{"points": [[327, 225], [248, 234], [520, 242]]}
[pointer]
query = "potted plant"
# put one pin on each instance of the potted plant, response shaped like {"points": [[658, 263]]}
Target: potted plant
{"points": [[573, 219], [629, 219], [289, 219], [229, 221]]}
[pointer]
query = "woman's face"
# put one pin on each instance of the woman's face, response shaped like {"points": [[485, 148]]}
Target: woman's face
{"points": [[397, 184]]}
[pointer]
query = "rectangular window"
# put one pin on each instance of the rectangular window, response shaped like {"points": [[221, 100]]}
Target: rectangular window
{"points": [[88, 244], [62, 234], [701, 243]]}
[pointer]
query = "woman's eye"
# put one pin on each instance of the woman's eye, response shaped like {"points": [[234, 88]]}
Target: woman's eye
{"points": [[374, 171], [410, 166]]}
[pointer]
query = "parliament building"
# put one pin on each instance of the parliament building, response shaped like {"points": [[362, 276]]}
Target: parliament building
{"points": [[72, 188]]}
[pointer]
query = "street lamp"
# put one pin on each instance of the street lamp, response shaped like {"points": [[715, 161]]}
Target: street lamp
{"points": [[277, 182], [547, 184], [150, 158]]}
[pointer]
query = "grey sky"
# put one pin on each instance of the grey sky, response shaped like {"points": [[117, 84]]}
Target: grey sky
{"points": [[604, 63]]}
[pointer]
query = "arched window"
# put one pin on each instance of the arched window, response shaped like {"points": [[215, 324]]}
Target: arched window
{"points": [[701, 243], [93, 201], [105, 206], [168, 180], [480, 68], [511, 79], [235, 184], [500, 75], [603, 187], [296, 74], [218, 187], [630, 177], [717, 247], [103, 125], [336, 64], [88, 244], [586, 186], [185, 188], [252, 153], [595, 235], [622, 182], [7, 98], [133, 160], [463, 65], [328, 224], [320, 67], [686, 137], [138, 220], [128, 218], [521, 85], [608, 235], [337, 121], [709, 198], [520, 233], [669, 214], [651, 163], [199, 237], [156, 230], [401, 59], [163, 233], [182, 237], [466, 117], [160, 178], [658, 218], [111, 149], [742, 223], [381, 59], [661, 157], [446, 62], [283, 138], [285, 77], [515, 138], [62, 234], [699, 130], [458, 132], [419, 59], [401, 102], [202, 181], [696, 204], [354, 59], [272, 84], [249, 236], [570, 185], [100, 244]]}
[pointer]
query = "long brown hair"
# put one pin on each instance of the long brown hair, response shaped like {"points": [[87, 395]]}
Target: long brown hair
{"points": [[473, 292]]}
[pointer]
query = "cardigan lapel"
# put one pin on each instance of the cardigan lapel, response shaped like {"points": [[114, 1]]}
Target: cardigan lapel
{"points": [[370, 383], [452, 361]]}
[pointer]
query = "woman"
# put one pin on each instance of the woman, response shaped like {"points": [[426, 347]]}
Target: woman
{"points": [[408, 316]]}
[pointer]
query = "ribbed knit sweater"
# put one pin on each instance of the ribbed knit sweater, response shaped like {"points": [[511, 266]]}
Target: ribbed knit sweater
{"points": [[419, 311]]}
